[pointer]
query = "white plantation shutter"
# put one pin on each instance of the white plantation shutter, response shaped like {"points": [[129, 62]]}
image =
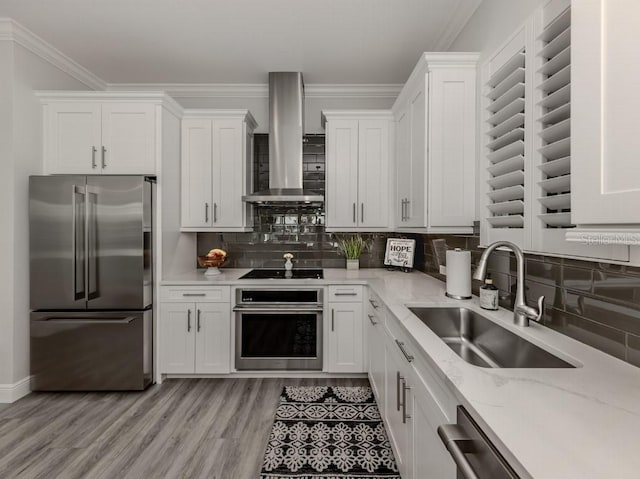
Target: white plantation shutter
{"points": [[555, 122], [506, 146]]}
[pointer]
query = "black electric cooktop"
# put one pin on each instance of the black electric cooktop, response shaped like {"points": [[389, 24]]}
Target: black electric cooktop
{"points": [[283, 274]]}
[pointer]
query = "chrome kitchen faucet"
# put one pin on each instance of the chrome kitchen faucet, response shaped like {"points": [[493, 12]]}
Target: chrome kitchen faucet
{"points": [[521, 312]]}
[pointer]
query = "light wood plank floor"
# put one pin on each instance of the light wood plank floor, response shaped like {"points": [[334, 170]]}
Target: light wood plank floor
{"points": [[185, 428]]}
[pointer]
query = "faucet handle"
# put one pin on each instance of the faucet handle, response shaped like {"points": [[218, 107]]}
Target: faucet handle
{"points": [[538, 318]]}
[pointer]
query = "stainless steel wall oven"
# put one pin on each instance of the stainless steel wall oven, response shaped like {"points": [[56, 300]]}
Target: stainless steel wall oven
{"points": [[279, 328]]}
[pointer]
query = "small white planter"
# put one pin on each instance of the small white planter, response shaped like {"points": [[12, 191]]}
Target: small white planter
{"points": [[353, 264]]}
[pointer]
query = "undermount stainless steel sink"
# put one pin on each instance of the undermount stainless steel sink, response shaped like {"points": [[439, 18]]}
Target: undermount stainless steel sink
{"points": [[484, 343]]}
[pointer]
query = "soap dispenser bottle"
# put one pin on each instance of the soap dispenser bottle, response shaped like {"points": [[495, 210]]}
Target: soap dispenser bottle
{"points": [[288, 265], [488, 295]]}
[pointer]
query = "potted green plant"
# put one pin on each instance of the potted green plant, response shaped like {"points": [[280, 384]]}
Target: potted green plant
{"points": [[351, 247]]}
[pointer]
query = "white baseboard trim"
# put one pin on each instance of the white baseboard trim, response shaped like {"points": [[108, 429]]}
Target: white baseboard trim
{"points": [[12, 392]]}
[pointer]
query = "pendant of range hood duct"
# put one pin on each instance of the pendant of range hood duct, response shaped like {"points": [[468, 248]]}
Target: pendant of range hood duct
{"points": [[286, 130]]}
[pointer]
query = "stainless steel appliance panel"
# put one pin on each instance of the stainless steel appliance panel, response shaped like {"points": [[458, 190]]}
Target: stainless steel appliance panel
{"points": [[119, 266], [57, 242], [81, 351], [90, 242], [270, 339]]}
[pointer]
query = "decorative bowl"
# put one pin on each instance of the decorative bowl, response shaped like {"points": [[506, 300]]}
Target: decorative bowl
{"points": [[211, 264]]}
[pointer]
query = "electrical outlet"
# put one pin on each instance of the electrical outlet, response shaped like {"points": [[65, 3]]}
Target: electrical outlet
{"points": [[443, 269]]}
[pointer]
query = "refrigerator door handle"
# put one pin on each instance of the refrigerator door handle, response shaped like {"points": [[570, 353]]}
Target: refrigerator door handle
{"points": [[91, 241], [78, 254], [125, 320]]}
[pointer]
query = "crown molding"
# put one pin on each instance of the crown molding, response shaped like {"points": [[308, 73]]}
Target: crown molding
{"points": [[10, 30], [260, 90], [452, 29]]}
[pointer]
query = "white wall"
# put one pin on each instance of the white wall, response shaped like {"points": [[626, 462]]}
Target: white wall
{"points": [[313, 106], [491, 24], [6, 214], [30, 72]]}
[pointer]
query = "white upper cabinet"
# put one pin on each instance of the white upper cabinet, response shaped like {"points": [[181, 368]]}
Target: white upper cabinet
{"points": [[102, 133], [605, 115], [358, 155], [216, 170], [435, 115]]}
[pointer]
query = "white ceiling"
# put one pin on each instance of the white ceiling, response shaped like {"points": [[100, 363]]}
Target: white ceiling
{"points": [[239, 41]]}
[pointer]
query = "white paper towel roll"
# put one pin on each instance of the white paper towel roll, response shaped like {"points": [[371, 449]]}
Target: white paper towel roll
{"points": [[459, 274]]}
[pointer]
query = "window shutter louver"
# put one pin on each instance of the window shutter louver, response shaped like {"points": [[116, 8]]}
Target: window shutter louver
{"points": [[506, 144], [555, 122]]}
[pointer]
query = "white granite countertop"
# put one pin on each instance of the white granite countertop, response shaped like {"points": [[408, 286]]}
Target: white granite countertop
{"points": [[577, 423]]}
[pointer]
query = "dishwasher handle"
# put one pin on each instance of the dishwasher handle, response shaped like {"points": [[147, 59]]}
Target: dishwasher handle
{"points": [[472, 451], [457, 443]]}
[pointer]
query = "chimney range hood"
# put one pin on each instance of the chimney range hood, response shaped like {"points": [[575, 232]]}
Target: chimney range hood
{"points": [[286, 129]]}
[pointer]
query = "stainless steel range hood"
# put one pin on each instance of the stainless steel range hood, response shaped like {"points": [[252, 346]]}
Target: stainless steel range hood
{"points": [[286, 129]]}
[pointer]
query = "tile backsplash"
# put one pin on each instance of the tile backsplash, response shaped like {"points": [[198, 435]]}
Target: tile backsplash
{"points": [[595, 303]]}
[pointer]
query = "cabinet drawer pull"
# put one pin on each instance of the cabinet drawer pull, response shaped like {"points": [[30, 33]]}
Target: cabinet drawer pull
{"points": [[407, 356], [354, 212], [188, 320], [405, 416], [370, 316], [198, 320], [345, 294], [398, 379], [332, 319], [215, 212], [193, 294], [93, 157], [104, 157], [362, 212], [206, 212], [374, 304]]}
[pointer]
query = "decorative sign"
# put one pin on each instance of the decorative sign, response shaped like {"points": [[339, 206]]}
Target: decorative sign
{"points": [[400, 252]]}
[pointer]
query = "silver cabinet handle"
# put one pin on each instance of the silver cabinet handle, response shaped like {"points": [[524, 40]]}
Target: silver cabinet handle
{"points": [[104, 157], [345, 294], [362, 212], [332, 319], [405, 416], [198, 320], [354, 212], [457, 443], [374, 304], [188, 320], [93, 157], [407, 356], [370, 316], [215, 212], [206, 212], [408, 209], [193, 294], [398, 379]]}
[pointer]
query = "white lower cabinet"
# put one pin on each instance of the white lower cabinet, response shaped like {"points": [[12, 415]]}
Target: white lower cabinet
{"points": [[195, 338], [375, 362], [344, 333], [398, 407], [430, 457], [409, 408]]}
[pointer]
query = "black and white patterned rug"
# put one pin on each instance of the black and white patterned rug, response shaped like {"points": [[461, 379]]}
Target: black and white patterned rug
{"points": [[328, 432]]}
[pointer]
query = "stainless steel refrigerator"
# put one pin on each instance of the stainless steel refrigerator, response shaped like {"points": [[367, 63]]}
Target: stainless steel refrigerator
{"points": [[91, 281]]}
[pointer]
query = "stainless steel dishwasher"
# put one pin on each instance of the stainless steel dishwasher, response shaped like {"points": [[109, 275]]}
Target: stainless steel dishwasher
{"points": [[472, 451]]}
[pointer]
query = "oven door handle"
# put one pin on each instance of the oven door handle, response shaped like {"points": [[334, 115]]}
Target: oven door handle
{"points": [[242, 309]]}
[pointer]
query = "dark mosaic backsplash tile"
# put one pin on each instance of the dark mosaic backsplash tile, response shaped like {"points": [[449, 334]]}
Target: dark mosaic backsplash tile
{"points": [[595, 303]]}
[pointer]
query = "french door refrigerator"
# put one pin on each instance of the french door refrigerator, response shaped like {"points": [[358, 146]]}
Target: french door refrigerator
{"points": [[91, 282]]}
